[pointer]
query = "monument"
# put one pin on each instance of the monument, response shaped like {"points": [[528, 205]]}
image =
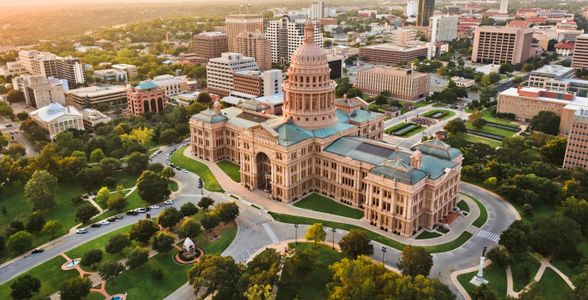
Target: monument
{"points": [[478, 279], [189, 249]]}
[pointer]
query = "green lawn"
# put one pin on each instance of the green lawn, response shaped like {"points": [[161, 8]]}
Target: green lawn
{"points": [[312, 285], [483, 217], [98, 243], [372, 235], [491, 130], [230, 168], [463, 206], [173, 186], [133, 201], [127, 180], [479, 139], [573, 268], [427, 235], [438, 104], [496, 280], [448, 113], [551, 286], [417, 129], [523, 270], [210, 182], [321, 203], [222, 242], [487, 115]]}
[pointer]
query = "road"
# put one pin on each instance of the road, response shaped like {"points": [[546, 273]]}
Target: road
{"points": [[12, 129]]}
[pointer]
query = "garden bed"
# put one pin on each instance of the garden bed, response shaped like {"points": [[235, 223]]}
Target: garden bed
{"points": [[404, 129]]}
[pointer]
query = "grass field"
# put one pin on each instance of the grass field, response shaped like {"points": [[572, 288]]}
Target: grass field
{"points": [[427, 235], [210, 182], [439, 104], [321, 203], [448, 113], [551, 286], [495, 276], [491, 130], [230, 168], [478, 139], [487, 115], [312, 285], [463, 206]]}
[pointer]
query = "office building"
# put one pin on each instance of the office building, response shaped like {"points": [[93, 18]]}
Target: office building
{"points": [[287, 34], [443, 28], [236, 24], [12, 68], [40, 91], [50, 65], [580, 56], [257, 83], [425, 11], [336, 66], [317, 10], [315, 147], [110, 96], [498, 45], [56, 118], [411, 8], [220, 71], [92, 117], [503, 7], [403, 35], [209, 45], [539, 77], [404, 84], [256, 45], [390, 54], [576, 155], [173, 85], [110, 75], [146, 97], [131, 70]]}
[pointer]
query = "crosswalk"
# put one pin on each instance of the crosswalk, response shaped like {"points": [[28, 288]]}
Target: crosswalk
{"points": [[270, 233], [488, 235]]}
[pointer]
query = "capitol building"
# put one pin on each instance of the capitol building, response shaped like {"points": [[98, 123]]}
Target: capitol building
{"points": [[332, 147]]}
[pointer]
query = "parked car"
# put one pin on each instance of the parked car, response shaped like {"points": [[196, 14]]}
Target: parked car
{"points": [[119, 217], [140, 210], [82, 230], [37, 250], [111, 219], [96, 225], [168, 202], [132, 213], [155, 206], [104, 222]]}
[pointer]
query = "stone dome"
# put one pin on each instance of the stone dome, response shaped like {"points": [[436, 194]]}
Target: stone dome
{"points": [[309, 53]]}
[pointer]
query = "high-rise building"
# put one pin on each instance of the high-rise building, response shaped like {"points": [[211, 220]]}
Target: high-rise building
{"points": [[209, 45], [580, 55], [404, 84], [443, 28], [336, 65], [220, 70], [256, 45], [576, 155], [317, 10], [40, 91], [50, 65], [498, 45], [146, 97], [235, 24], [287, 34], [425, 12], [503, 7], [411, 8]]}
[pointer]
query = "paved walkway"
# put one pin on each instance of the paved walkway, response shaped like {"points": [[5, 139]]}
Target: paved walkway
{"points": [[261, 199], [545, 263]]}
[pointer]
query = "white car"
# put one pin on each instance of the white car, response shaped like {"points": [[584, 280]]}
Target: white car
{"points": [[140, 210], [105, 222], [168, 202], [155, 206], [82, 230]]}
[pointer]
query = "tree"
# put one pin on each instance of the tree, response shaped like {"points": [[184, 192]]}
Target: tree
{"points": [[117, 243], [415, 261], [76, 288], [15, 96], [152, 187], [103, 195], [19, 242], [219, 275], [40, 190], [555, 235], [137, 162], [380, 100], [168, 172], [143, 230], [189, 228], [546, 121], [515, 237], [209, 221], [97, 155], [52, 228], [169, 217], [162, 242], [205, 203], [477, 120], [316, 233], [301, 263], [116, 202], [555, 150], [36, 222], [110, 269], [356, 243], [455, 126], [91, 177], [188, 209], [91, 257], [204, 98], [137, 256], [24, 287], [227, 211], [499, 256], [581, 283], [258, 292], [86, 212], [577, 210], [483, 292], [169, 136]]}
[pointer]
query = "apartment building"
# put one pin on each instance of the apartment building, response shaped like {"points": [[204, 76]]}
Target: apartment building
{"points": [[256, 45], [317, 10], [287, 34], [12, 68], [40, 91], [390, 54], [220, 71], [498, 45], [50, 65], [236, 24], [443, 28], [56, 118], [146, 97], [580, 55], [209, 45], [404, 84], [112, 96]]}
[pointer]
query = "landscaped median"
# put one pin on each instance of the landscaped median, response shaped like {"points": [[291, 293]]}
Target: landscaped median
{"points": [[439, 114], [404, 129], [374, 236], [210, 182]]}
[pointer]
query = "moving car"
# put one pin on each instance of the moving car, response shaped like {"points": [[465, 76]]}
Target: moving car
{"points": [[82, 230], [168, 202], [155, 206]]}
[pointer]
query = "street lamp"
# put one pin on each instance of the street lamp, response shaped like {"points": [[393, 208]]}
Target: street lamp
{"points": [[383, 253], [296, 234], [333, 230]]}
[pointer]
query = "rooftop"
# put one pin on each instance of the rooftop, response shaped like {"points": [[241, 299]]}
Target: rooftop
{"points": [[96, 91], [146, 85], [54, 111], [554, 71], [397, 47]]}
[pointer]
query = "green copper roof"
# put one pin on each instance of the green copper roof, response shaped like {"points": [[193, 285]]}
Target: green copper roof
{"points": [[439, 149], [146, 85], [290, 134], [358, 116]]}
